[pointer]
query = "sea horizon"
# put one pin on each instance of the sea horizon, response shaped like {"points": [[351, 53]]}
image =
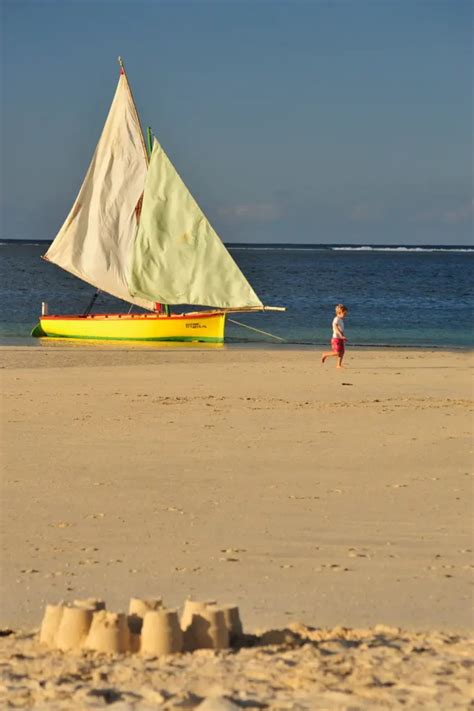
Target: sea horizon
{"points": [[335, 246]]}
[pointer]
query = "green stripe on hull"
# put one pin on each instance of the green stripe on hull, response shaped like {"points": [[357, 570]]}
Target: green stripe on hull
{"points": [[189, 339]]}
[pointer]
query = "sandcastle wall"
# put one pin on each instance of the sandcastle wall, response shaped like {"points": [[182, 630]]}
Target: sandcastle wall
{"points": [[149, 628]]}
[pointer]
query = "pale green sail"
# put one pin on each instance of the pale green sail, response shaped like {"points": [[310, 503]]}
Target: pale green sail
{"points": [[177, 256]]}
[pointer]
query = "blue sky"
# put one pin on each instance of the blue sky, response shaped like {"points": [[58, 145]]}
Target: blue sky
{"points": [[298, 121]]}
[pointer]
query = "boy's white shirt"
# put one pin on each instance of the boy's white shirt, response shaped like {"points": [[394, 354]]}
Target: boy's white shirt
{"points": [[337, 321]]}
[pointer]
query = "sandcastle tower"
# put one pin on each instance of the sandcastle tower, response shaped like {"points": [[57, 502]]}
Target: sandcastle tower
{"points": [[73, 627], [216, 634], [193, 609], [137, 610], [161, 633], [204, 626], [50, 624], [90, 602], [108, 632], [233, 622]]}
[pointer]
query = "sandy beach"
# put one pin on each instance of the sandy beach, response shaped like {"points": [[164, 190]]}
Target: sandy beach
{"points": [[306, 495]]}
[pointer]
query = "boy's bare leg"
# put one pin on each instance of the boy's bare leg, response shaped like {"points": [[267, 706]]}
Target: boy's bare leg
{"points": [[339, 362], [327, 354]]}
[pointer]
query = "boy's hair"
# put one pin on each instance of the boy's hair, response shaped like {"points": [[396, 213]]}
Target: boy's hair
{"points": [[340, 308]]}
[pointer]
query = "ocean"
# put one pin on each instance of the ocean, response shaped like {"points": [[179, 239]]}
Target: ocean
{"points": [[396, 296]]}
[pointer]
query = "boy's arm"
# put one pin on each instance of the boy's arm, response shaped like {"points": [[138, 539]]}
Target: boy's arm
{"points": [[339, 332]]}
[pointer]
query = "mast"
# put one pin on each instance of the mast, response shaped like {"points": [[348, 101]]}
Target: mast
{"points": [[124, 74], [146, 152], [149, 139]]}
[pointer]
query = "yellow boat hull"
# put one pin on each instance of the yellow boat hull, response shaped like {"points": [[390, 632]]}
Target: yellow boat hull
{"points": [[207, 326]]}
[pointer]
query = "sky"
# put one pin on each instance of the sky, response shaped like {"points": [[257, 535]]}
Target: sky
{"points": [[300, 121]]}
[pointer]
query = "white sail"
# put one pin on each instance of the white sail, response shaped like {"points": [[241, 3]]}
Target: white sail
{"points": [[177, 256], [95, 242]]}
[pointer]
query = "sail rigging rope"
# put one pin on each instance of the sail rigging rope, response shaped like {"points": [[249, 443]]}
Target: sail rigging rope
{"points": [[251, 328]]}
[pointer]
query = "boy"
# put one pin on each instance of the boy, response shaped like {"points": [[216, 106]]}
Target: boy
{"points": [[338, 339]]}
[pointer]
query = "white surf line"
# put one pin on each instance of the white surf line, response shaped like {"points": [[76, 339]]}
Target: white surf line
{"points": [[251, 328]]}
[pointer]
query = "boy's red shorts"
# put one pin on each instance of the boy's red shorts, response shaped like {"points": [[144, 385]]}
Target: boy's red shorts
{"points": [[337, 346]]}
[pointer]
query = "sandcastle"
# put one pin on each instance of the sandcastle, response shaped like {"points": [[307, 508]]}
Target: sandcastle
{"points": [[149, 628]]}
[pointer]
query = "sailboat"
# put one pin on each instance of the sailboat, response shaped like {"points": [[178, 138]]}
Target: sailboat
{"points": [[136, 233]]}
